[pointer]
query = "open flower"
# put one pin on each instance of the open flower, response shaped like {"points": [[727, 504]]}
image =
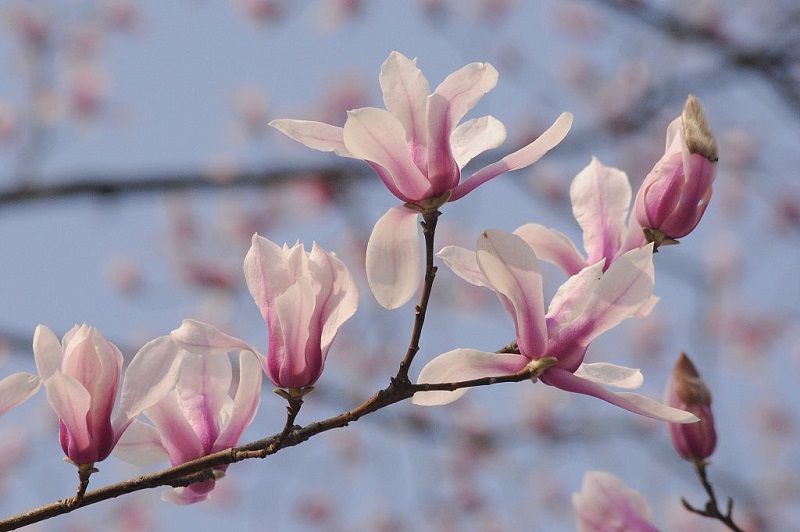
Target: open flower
{"points": [[304, 298], [82, 374], [601, 199], [196, 418], [585, 306], [687, 391], [675, 194], [17, 388], [418, 149], [605, 504]]}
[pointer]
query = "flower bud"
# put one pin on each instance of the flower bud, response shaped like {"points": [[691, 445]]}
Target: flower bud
{"points": [[687, 391], [675, 194]]}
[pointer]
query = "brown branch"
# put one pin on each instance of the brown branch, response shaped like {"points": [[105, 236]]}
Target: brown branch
{"points": [[712, 507], [202, 468]]}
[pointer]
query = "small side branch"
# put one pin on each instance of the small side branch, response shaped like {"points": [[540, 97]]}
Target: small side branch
{"points": [[712, 509]]}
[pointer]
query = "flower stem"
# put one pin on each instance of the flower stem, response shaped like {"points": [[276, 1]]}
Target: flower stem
{"points": [[712, 508]]}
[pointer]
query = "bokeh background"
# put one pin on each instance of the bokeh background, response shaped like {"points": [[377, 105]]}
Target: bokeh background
{"points": [[136, 162]]}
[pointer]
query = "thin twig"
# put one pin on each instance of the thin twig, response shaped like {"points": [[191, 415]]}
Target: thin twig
{"points": [[712, 507]]}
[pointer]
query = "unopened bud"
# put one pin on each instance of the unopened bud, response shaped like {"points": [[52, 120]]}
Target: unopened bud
{"points": [[675, 194], [687, 391]]}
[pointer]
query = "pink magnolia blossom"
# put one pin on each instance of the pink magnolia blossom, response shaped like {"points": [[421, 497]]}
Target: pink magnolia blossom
{"points": [[304, 299], [674, 196], [418, 149], [82, 374], [601, 199], [16, 389], [687, 391], [196, 418], [586, 305], [605, 504]]}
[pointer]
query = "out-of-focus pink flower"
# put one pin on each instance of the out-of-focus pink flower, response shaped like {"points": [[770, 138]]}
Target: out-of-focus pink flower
{"points": [[304, 299], [674, 196], [196, 418], [82, 374], [687, 391], [418, 152], [16, 389], [605, 504], [587, 304], [601, 199]]}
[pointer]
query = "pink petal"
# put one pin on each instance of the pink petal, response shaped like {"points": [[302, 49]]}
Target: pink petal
{"points": [[605, 503], [520, 158], [150, 376], [601, 198], [178, 437], [607, 374], [375, 135], [512, 269], [570, 300], [245, 404], [622, 291], [71, 402], [46, 351], [16, 389], [638, 404], [266, 271], [191, 494], [202, 390], [341, 299], [553, 247], [475, 137], [461, 365], [464, 263], [290, 358], [448, 104], [315, 135], [405, 92], [394, 258], [141, 445]]}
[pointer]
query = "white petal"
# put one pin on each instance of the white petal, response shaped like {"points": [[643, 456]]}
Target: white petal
{"points": [[405, 93], [140, 445], [150, 376], [601, 198], [46, 351], [315, 135], [461, 365], [394, 258], [607, 374], [572, 297], [17, 388], [519, 159], [475, 137], [204, 339], [341, 302], [464, 263], [553, 247]]}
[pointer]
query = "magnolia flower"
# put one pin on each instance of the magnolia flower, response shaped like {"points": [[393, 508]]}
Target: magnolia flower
{"points": [[585, 306], [304, 298], [16, 389], [601, 198], [82, 374], [196, 418], [418, 152], [605, 504], [687, 391], [674, 196]]}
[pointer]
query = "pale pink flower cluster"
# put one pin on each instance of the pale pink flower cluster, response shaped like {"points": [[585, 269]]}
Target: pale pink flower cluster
{"points": [[181, 382]]}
